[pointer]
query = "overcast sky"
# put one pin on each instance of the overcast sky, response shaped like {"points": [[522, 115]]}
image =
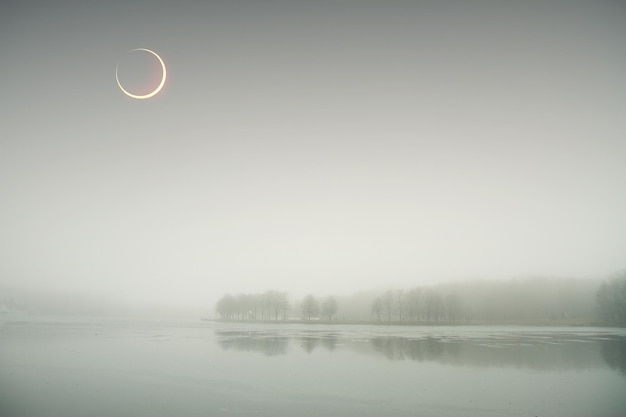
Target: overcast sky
{"points": [[311, 146]]}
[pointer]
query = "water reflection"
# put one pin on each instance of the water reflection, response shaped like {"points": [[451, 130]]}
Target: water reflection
{"points": [[330, 342], [308, 343], [399, 348], [614, 353], [273, 343], [551, 354], [270, 345], [539, 351]]}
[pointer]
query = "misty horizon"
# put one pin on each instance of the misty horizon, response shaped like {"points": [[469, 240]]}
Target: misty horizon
{"points": [[579, 295]]}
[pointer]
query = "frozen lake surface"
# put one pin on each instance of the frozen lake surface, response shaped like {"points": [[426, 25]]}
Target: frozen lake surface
{"points": [[96, 367]]}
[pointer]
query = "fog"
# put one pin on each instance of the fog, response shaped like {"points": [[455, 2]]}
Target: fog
{"points": [[323, 147]]}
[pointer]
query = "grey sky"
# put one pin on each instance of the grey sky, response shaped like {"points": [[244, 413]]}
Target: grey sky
{"points": [[311, 146]]}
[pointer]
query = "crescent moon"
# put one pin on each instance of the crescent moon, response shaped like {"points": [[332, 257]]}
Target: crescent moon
{"points": [[156, 90]]}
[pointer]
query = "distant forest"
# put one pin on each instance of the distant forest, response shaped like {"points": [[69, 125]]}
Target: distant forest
{"points": [[531, 301]]}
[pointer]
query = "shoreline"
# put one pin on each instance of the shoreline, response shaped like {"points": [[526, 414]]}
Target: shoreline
{"points": [[541, 323]]}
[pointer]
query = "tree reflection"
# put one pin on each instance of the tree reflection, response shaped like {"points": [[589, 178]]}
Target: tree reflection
{"points": [[308, 343], [546, 354], [270, 345], [614, 353], [330, 342], [536, 351], [399, 348]]}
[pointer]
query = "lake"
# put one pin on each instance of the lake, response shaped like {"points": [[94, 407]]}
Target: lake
{"points": [[120, 367]]}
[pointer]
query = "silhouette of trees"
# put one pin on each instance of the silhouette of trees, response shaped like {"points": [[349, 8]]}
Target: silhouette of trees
{"points": [[271, 305], [377, 307], [453, 307], [417, 305], [413, 303], [329, 308], [514, 301], [388, 303], [611, 300], [309, 307], [434, 306], [400, 302], [227, 307], [276, 304]]}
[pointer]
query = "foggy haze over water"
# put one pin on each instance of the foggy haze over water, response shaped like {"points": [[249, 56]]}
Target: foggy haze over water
{"points": [[133, 368], [310, 146]]}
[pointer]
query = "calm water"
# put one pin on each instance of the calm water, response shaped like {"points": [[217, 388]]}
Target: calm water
{"points": [[70, 367]]}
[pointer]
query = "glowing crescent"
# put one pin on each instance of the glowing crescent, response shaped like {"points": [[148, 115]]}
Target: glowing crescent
{"points": [[156, 90]]}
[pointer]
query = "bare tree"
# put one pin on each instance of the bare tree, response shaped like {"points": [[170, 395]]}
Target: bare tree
{"points": [[400, 302], [377, 307], [388, 303], [329, 308], [227, 307], [611, 300], [434, 305], [453, 307], [243, 307], [309, 306], [413, 303], [284, 304]]}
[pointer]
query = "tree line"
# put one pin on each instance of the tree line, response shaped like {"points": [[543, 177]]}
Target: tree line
{"points": [[270, 305], [512, 301], [419, 305], [273, 305], [611, 301]]}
